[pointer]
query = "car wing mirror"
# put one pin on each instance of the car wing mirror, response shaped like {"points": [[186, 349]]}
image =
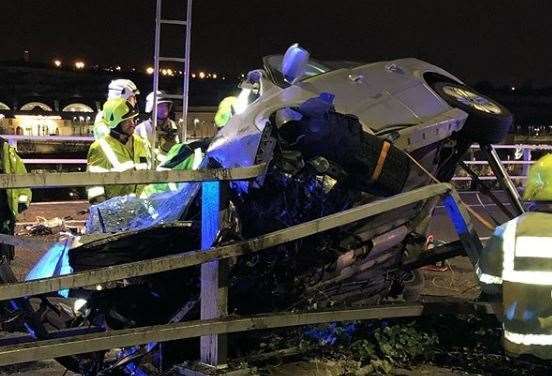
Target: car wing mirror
{"points": [[294, 63]]}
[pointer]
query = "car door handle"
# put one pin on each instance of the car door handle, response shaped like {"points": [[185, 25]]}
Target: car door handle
{"points": [[356, 78]]}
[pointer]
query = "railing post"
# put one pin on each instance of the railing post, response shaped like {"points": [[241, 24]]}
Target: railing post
{"points": [[526, 158], [214, 289], [503, 178]]}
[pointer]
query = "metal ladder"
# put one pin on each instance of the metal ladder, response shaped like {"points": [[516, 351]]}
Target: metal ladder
{"points": [[187, 25]]}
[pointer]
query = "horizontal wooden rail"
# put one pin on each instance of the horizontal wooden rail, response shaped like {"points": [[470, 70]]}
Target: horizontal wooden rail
{"points": [[89, 342], [183, 260], [76, 179], [54, 348]]}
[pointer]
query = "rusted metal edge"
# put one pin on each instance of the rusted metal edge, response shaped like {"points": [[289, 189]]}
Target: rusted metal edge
{"points": [[55, 348], [183, 260], [76, 179]]}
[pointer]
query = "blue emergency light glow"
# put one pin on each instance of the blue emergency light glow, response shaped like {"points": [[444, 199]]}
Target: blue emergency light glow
{"points": [[55, 262], [30, 331], [455, 216], [210, 204]]}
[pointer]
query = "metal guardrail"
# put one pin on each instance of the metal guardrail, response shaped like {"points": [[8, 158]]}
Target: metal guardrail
{"points": [[46, 349], [213, 290], [179, 261], [86, 343], [525, 163], [76, 179]]}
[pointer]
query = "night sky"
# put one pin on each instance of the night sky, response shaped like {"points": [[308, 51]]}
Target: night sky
{"points": [[501, 41]]}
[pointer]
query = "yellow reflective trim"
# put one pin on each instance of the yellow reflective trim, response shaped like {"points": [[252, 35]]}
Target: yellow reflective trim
{"points": [[528, 339], [534, 246]]}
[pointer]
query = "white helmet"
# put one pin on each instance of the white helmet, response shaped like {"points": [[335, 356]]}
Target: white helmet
{"points": [[161, 98], [121, 88]]}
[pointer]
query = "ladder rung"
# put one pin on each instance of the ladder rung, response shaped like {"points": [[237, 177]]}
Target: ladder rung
{"points": [[174, 22], [173, 96], [175, 59]]}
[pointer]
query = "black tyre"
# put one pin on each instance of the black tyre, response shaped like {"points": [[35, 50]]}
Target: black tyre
{"points": [[488, 121]]}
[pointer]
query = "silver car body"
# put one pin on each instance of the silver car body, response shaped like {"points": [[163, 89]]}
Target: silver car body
{"points": [[391, 96]]}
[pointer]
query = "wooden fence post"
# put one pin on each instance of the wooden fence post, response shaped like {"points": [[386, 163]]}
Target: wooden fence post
{"points": [[214, 289]]}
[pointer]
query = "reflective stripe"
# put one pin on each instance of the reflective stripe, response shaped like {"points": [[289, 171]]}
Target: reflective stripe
{"points": [[198, 157], [534, 246], [109, 153], [509, 247], [23, 198], [128, 165], [487, 279], [528, 278], [95, 192], [97, 169], [160, 157], [173, 187], [141, 166], [528, 339], [142, 132]]}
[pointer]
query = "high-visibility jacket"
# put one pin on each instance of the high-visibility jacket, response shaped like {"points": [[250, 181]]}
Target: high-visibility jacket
{"points": [[163, 138], [19, 199], [518, 260], [180, 157], [108, 154], [100, 128]]}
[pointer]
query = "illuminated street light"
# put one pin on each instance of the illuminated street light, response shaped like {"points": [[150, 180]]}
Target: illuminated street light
{"points": [[57, 63], [215, 76], [193, 75], [149, 70], [118, 68], [202, 75], [513, 88], [79, 65]]}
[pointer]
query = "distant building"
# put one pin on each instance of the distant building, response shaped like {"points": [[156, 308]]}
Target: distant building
{"points": [[38, 100]]}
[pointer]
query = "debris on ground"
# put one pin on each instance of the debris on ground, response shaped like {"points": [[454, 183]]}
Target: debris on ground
{"points": [[45, 226]]}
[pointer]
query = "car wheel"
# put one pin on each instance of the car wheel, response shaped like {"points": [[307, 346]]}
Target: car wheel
{"points": [[488, 121]]}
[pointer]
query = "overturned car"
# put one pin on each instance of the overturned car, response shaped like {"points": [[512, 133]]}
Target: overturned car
{"points": [[333, 136]]}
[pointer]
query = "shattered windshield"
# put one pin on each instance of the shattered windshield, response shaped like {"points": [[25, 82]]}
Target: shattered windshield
{"points": [[273, 64]]}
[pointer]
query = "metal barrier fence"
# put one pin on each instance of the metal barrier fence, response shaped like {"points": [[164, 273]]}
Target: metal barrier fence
{"points": [[214, 319], [525, 149]]}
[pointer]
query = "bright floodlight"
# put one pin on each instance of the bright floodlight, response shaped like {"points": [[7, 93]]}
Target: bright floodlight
{"points": [[202, 75], [79, 64], [149, 70], [57, 63]]}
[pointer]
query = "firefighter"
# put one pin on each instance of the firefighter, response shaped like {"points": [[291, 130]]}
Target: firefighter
{"points": [[12, 201], [120, 150], [225, 111], [165, 136], [120, 88], [517, 265]]}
